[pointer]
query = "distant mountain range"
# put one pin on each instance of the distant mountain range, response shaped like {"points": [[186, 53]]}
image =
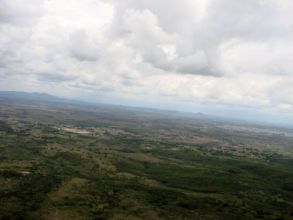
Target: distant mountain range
{"points": [[29, 96], [37, 98], [44, 98]]}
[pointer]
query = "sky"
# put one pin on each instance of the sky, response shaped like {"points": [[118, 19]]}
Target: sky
{"points": [[220, 57]]}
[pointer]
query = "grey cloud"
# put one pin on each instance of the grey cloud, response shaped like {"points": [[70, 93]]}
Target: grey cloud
{"points": [[195, 64], [56, 77], [96, 87], [221, 21], [7, 58], [16, 13], [81, 48], [146, 35], [232, 52], [198, 64]]}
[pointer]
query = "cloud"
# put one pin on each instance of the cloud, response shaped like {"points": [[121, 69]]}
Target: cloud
{"points": [[218, 52], [81, 48], [19, 12], [56, 77]]}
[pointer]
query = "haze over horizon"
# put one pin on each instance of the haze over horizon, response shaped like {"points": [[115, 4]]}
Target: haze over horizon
{"points": [[220, 57]]}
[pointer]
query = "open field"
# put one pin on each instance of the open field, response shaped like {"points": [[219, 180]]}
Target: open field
{"points": [[70, 161]]}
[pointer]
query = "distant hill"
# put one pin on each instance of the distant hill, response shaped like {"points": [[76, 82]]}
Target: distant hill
{"points": [[28, 96], [47, 99]]}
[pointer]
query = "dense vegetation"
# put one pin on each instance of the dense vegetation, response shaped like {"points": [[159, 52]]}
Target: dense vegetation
{"points": [[63, 161]]}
